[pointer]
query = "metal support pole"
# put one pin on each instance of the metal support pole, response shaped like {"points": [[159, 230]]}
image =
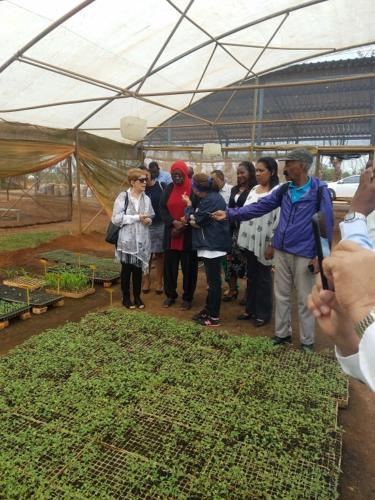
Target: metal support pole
{"points": [[255, 110], [78, 185], [258, 135], [276, 147], [317, 164], [372, 126], [70, 188]]}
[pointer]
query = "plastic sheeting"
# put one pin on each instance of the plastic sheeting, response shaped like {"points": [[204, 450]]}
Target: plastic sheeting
{"points": [[103, 163], [157, 45]]}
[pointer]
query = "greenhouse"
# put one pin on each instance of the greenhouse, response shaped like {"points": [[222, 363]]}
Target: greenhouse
{"points": [[112, 383]]}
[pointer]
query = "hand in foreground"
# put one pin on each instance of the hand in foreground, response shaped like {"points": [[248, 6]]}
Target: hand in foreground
{"points": [[364, 198], [332, 319], [351, 269], [219, 215], [186, 199]]}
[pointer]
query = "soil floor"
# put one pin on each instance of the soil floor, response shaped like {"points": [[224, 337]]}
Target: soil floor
{"points": [[358, 463]]}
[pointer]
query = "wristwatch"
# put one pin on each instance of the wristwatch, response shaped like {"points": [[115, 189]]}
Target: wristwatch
{"points": [[362, 325], [353, 216]]}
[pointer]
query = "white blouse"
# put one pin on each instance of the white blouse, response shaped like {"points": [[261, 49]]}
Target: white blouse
{"points": [[256, 234]]}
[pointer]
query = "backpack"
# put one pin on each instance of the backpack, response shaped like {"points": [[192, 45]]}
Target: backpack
{"points": [[113, 230]]}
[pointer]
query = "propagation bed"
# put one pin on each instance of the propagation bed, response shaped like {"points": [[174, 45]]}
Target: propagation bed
{"points": [[128, 405]]}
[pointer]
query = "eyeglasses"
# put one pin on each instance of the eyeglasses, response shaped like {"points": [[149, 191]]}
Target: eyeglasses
{"points": [[142, 179]]}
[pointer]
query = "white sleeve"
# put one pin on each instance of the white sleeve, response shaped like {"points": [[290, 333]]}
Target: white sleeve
{"points": [[119, 218], [362, 364], [371, 226], [356, 231]]}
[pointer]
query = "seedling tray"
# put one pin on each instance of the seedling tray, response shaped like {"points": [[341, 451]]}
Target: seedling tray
{"points": [[107, 271], [112, 473], [14, 314], [102, 277], [24, 282], [37, 298], [106, 281], [22, 312], [73, 295], [85, 260]]}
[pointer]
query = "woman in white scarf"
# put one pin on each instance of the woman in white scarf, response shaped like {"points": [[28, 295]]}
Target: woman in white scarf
{"points": [[133, 212]]}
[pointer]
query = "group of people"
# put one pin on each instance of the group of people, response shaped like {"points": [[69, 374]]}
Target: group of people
{"points": [[246, 230], [176, 213]]}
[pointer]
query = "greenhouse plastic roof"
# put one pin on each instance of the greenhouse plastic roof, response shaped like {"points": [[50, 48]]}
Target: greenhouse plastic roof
{"points": [[54, 52]]}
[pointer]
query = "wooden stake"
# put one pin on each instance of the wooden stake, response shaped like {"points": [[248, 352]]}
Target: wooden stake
{"points": [[93, 267], [44, 264], [110, 291]]}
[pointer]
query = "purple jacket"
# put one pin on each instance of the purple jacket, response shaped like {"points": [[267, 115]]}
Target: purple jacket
{"points": [[294, 233]]}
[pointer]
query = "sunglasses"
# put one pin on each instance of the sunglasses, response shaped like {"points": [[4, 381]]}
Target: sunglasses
{"points": [[142, 179]]}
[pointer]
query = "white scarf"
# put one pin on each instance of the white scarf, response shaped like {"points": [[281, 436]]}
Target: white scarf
{"points": [[134, 244]]}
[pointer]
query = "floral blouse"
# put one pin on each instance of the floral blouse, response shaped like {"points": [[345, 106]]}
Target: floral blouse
{"points": [[256, 234]]}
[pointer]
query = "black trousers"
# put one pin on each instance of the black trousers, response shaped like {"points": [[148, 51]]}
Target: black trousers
{"points": [[213, 275], [189, 266], [259, 288], [130, 271]]}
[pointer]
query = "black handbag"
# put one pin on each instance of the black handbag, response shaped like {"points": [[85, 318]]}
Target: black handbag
{"points": [[113, 230]]}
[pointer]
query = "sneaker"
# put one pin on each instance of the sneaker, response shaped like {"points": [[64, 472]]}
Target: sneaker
{"points": [[281, 340], [308, 348], [138, 303], [185, 306], [213, 322], [168, 302], [203, 314], [128, 303]]}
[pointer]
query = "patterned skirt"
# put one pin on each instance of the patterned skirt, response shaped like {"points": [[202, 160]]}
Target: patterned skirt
{"points": [[156, 237], [236, 262]]}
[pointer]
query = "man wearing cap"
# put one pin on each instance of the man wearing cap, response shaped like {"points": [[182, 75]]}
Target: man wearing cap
{"points": [[293, 241]]}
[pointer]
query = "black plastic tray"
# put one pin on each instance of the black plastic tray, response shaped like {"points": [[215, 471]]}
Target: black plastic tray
{"points": [[38, 298], [14, 314]]}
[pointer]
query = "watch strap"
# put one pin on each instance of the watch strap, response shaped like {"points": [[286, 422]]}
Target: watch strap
{"points": [[362, 325], [353, 216]]}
